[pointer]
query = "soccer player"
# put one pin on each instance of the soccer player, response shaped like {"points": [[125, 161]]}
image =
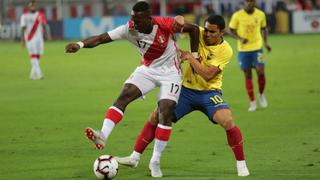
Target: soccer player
{"points": [[154, 39], [33, 30], [246, 25], [201, 90]]}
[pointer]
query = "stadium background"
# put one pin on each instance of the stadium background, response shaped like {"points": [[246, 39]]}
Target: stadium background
{"points": [[42, 122], [75, 19]]}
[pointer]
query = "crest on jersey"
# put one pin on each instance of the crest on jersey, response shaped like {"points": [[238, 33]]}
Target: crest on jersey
{"points": [[256, 20], [161, 40], [209, 56]]}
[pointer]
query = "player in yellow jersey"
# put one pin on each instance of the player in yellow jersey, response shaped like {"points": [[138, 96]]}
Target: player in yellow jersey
{"points": [[246, 25], [201, 90]]}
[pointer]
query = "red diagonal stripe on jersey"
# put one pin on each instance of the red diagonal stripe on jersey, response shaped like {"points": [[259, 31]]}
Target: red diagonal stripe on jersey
{"points": [[160, 41], [34, 28]]}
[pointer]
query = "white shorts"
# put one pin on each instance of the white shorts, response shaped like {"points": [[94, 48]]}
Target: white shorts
{"points": [[35, 46], [147, 79]]}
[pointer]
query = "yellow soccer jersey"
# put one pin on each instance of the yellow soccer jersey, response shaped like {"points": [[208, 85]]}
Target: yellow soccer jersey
{"points": [[249, 26], [218, 56]]}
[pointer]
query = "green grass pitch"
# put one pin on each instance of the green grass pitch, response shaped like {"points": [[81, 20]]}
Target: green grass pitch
{"points": [[42, 122]]}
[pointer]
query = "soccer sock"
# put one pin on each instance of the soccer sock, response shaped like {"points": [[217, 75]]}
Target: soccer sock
{"points": [[162, 137], [113, 117], [262, 83], [235, 142], [249, 87], [145, 137]]}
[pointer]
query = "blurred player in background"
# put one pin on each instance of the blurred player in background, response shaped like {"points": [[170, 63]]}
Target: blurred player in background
{"points": [[246, 25], [33, 24], [201, 90], [153, 37]]}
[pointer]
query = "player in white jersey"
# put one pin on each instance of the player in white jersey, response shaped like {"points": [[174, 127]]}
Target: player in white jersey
{"points": [[154, 39], [33, 24]]}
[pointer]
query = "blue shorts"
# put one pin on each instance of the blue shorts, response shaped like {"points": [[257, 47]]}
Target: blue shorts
{"points": [[207, 101], [250, 59]]}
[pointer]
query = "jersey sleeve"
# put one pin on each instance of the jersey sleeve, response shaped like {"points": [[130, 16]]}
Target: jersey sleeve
{"points": [[22, 21], [165, 22], [234, 22], [43, 19], [119, 32]]}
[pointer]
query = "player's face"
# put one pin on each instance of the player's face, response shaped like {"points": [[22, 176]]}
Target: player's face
{"points": [[249, 4], [142, 21], [32, 7], [212, 34]]}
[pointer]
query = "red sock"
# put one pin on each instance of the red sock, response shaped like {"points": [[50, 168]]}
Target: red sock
{"points": [[114, 114], [249, 87], [163, 132], [235, 142], [262, 83], [145, 137]]}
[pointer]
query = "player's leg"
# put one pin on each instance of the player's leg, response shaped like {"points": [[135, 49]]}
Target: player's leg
{"points": [[245, 62], [39, 49], [136, 86], [162, 134], [147, 134], [224, 118], [217, 111], [145, 137], [170, 87], [250, 90], [260, 66], [113, 116], [32, 49]]}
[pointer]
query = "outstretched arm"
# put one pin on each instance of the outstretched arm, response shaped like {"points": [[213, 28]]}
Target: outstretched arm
{"points": [[90, 42]]}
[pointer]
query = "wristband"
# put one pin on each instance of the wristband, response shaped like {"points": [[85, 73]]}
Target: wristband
{"points": [[195, 54], [81, 44]]}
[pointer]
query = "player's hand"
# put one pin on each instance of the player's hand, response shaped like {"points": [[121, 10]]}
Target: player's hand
{"points": [[184, 55], [243, 40], [72, 48], [178, 24], [268, 47]]}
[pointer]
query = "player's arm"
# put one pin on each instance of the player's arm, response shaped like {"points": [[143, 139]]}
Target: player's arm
{"points": [[234, 34], [265, 38], [90, 42], [181, 26], [207, 72], [46, 32], [23, 31]]}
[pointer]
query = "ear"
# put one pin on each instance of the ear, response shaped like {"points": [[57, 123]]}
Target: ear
{"points": [[222, 32]]}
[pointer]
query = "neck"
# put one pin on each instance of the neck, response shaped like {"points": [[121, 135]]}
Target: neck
{"points": [[249, 11]]}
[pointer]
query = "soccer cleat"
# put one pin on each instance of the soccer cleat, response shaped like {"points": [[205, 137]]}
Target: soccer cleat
{"points": [[242, 168], [96, 137], [155, 169], [263, 101], [128, 161], [253, 106]]}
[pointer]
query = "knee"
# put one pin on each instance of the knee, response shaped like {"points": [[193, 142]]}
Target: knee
{"points": [[227, 123], [166, 117]]}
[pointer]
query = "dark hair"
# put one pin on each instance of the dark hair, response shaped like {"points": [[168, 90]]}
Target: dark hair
{"points": [[141, 6], [218, 20], [32, 2]]}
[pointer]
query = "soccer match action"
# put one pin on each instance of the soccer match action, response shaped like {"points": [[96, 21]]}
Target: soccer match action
{"points": [[170, 89]]}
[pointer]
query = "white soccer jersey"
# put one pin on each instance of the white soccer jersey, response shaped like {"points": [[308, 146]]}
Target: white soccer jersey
{"points": [[158, 50], [33, 23]]}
